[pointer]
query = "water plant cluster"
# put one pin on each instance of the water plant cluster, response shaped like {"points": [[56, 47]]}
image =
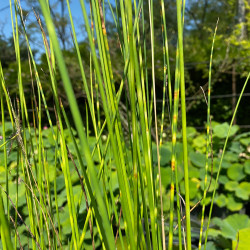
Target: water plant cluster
{"points": [[66, 186]]}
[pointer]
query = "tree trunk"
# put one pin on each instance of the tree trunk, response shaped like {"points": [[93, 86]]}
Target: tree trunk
{"points": [[241, 18]]}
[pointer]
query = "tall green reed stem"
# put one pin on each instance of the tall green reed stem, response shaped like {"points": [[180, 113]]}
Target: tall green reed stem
{"points": [[208, 135], [221, 159], [184, 124]]}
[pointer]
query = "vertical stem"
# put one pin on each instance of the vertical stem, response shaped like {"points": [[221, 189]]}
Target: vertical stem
{"points": [[150, 4], [184, 123], [234, 91]]}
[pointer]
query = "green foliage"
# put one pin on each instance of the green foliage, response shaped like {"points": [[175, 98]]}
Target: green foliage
{"points": [[82, 188], [232, 195]]}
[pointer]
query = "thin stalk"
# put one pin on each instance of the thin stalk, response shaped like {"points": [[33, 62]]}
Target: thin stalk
{"points": [[208, 134], [150, 4], [184, 123], [222, 156], [107, 234]]}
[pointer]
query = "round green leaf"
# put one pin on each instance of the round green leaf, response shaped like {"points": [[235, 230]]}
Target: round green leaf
{"points": [[221, 200], [165, 155], [247, 167], [235, 172], [231, 185], [193, 188], [243, 190], [245, 141], [244, 239], [231, 157], [212, 186], [221, 130], [199, 141], [232, 224], [191, 131], [223, 179], [198, 159], [236, 147], [233, 205]]}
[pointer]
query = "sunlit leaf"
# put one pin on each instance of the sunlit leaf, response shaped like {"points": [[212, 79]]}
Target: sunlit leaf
{"points": [[235, 172]]}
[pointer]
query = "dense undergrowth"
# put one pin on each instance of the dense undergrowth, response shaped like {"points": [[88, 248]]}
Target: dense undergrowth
{"points": [[232, 195], [65, 187]]}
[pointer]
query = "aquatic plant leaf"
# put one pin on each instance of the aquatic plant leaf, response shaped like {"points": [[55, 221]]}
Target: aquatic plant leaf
{"points": [[233, 205], [235, 172], [199, 141], [244, 239], [245, 141], [243, 190], [232, 224], [247, 167], [231, 185], [221, 130], [191, 132], [197, 159], [165, 154], [221, 200]]}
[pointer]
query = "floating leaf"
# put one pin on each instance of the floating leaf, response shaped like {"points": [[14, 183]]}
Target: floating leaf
{"points": [[198, 159], [235, 172], [245, 141], [221, 130], [165, 176], [191, 131], [165, 155], [199, 141], [166, 201], [223, 179], [233, 205], [236, 147], [232, 224], [221, 200], [231, 185], [212, 186], [244, 239], [231, 157], [243, 190], [213, 233], [247, 167], [210, 245], [242, 135], [193, 172]]}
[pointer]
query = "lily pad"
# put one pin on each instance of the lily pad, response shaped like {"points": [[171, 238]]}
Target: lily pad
{"points": [[221, 130], [231, 185], [243, 190], [245, 141], [236, 147], [210, 245], [193, 187], [165, 155], [244, 239], [191, 131], [199, 141], [247, 167], [212, 186], [231, 157], [232, 224], [235, 172], [197, 159], [221, 200], [233, 205], [223, 179]]}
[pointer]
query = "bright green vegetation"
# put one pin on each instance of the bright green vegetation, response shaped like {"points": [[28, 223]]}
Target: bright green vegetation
{"points": [[85, 183], [233, 189]]}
